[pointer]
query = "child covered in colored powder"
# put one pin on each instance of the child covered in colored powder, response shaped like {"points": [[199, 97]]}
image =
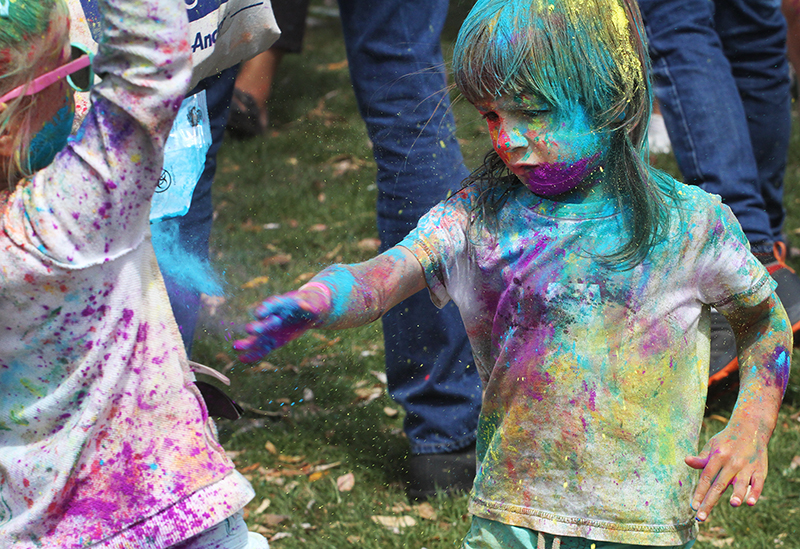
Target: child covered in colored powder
{"points": [[104, 439], [585, 280]]}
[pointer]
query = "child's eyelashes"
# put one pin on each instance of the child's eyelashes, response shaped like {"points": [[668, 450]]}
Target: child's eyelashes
{"points": [[491, 116], [535, 113]]}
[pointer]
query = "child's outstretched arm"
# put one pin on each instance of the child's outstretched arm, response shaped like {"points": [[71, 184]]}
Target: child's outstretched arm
{"points": [[341, 296], [737, 455]]}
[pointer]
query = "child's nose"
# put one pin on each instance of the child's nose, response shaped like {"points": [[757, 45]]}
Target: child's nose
{"points": [[512, 137]]}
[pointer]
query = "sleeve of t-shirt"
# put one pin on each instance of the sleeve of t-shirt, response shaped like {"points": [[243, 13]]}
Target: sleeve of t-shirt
{"points": [[439, 242], [729, 275], [92, 203]]}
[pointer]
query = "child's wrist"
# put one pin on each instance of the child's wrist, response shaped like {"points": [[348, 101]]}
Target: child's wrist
{"points": [[317, 298]]}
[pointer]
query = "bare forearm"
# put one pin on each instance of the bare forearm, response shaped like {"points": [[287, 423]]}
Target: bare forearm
{"points": [[353, 295], [765, 343]]}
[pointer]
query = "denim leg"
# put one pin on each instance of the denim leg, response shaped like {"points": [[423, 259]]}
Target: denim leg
{"points": [[194, 228], [397, 72], [753, 35], [703, 109]]}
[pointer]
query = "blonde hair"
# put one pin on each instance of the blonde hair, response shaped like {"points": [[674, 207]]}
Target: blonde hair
{"points": [[31, 36]]}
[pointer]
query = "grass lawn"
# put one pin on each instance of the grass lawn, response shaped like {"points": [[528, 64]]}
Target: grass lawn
{"points": [[322, 442]]}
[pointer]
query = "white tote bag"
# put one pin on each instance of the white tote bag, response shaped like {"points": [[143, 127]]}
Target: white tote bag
{"points": [[221, 32]]}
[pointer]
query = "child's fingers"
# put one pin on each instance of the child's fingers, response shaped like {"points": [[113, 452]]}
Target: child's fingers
{"points": [[740, 483], [713, 482], [756, 486], [254, 347], [697, 462]]}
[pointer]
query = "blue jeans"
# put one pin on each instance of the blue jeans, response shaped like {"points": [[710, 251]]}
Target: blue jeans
{"points": [[722, 79], [194, 228], [397, 72]]}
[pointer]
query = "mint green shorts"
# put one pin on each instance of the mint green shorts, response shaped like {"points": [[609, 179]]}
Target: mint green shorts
{"points": [[490, 534]]}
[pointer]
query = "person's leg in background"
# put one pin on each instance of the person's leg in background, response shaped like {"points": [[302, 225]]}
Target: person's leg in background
{"points": [[791, 11], [194, 228], [249, 111], [721, 78], [398, 74]]}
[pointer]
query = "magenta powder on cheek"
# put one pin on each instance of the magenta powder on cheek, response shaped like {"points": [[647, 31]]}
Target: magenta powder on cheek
{"points": [[559, 177]]}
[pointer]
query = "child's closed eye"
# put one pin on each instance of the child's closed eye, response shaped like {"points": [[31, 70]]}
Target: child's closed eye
{"points": [[490, 116]]}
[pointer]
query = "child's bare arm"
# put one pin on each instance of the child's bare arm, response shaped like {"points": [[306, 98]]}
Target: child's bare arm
{"points": [[738, 454], [341, 296]]}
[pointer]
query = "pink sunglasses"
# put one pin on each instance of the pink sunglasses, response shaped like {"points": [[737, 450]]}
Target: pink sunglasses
{"points": [[78, 72]]}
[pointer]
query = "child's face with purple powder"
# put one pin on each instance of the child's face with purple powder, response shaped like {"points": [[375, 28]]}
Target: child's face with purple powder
{"points": [[554, 154]]}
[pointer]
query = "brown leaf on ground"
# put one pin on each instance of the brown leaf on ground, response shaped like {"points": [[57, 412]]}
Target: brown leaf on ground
{"points": [[391, 412], [354, 539], [318, 228], [255, 282], [346, 482], [251, 227], [330, 255], [280, 535], [304, 278], [268, 519], [270, 447], [338, 66], [425, 511], [369, 244], [368, 394], [278, 259], [291, 459], [251, 467], [402, 521], [795, 463], [263, 507]]}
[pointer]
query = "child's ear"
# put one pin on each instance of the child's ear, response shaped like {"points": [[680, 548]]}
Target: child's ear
{"points": [[6, 145], [6, 139]]}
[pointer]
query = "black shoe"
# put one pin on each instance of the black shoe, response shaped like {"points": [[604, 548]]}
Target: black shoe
{"points": [[449, 473], [724, 363], [788, 289], [246, 119]]}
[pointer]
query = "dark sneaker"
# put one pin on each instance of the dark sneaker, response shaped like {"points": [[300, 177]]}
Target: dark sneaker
{"points": [[788, 289], [449, 473], [724, 362]]}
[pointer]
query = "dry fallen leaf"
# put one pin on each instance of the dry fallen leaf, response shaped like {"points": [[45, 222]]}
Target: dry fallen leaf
{"points": [[263, 507], [795, 463], [394, 522], [369, 244], [291, 459], [251, 467], [315, 476], [426, 511], [271, 448], [280, 535], [368, 394], [718, 417], [391, 412], [304, 277], [272, 520], [346, 482], [400, 507], [380, 375], [277, 259], [255, 283], [318, 228], [354, 539]]}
